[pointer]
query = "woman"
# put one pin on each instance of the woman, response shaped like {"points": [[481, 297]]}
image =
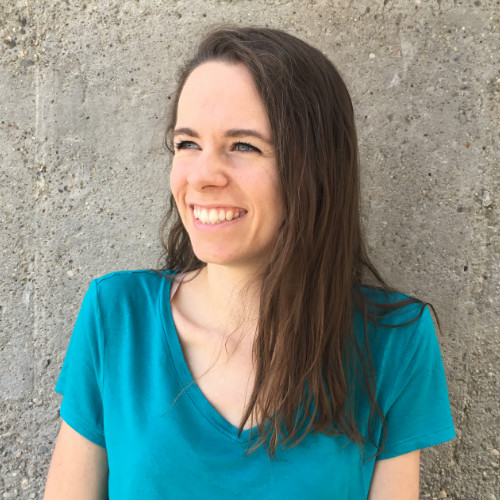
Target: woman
{"points": [[255, 364]]}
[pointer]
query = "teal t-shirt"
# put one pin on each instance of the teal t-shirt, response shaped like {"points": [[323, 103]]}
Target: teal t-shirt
{"points": [[126, 387]]}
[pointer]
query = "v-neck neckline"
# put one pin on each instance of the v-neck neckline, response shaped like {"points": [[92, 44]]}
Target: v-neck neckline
{"points": [[189, 385]]}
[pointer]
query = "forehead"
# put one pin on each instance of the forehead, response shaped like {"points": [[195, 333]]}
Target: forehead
{"points": [[221, 94]]}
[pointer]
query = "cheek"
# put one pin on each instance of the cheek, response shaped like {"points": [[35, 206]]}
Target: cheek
{"points": [[176, 182]]}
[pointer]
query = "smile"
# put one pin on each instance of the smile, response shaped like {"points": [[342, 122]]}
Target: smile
{"points": [[217, 215]]}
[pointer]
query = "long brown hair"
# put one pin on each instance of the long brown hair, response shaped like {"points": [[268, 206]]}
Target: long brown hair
{"points": [[305, 345]]}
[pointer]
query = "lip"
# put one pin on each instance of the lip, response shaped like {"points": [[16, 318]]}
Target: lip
{"points": [[219, 205]]}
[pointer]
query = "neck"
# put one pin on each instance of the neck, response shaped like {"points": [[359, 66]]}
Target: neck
{"points": [[233, 294]]}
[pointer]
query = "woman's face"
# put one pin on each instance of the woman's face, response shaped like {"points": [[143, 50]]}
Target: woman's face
{"points": [[224, 176]]}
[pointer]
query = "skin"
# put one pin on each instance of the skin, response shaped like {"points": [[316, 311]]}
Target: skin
{"points": [[79, 468], [396, 478], [224, 158]]}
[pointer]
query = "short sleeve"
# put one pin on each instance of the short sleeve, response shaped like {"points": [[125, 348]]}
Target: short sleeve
{"points": [[418, 412], [80, 380]]}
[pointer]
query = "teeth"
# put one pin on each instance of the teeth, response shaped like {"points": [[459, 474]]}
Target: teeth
{"points": [[216, 216], [204, 216], [213, 216]]}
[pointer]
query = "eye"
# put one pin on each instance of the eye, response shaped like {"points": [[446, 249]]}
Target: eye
{"points": [[244, 146], [185, 145]]}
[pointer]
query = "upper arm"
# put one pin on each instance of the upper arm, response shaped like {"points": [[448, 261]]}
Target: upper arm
{"points": [[79, 468], [396, 478]]}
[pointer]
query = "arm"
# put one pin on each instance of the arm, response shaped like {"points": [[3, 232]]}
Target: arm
{"points": [[79, 468], [396, 478]]}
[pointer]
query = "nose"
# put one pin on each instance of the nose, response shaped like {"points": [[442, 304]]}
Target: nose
{"points": [[208, 171]]}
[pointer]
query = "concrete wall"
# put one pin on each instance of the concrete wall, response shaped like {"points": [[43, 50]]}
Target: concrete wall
{"points": [[84, 86]]}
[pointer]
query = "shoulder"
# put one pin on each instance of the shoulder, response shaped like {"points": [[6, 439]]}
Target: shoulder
{"points": [[128, 290], [396, 323], [127, 279], [121, 305], [388, 310], [120, 284]]}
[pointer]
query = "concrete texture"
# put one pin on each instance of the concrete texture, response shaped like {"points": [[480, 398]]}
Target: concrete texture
{"points": [[83, 178]]}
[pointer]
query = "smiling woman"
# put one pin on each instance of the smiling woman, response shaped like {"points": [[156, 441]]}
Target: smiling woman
{"points": [[256, 363], [224, 176]]}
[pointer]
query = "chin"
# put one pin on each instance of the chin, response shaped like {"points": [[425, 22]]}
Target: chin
{"points": [[227, 260], [218, 260], [213, 256]]}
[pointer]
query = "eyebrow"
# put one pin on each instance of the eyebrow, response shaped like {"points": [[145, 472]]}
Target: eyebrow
{"points": [[234, 132], [186, 131], [241, 132]]}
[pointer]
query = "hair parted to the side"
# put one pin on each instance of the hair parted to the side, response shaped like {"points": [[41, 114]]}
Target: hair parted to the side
{"points": [[311, 287]]}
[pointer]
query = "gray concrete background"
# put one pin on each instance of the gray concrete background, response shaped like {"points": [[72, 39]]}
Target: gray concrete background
{"points": [[83, 177]]}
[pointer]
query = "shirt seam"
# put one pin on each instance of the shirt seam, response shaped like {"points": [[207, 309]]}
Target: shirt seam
{"points": [[101, 340]]}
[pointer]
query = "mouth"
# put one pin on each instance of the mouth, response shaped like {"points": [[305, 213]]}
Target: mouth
{"points": [[216, 215]]}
